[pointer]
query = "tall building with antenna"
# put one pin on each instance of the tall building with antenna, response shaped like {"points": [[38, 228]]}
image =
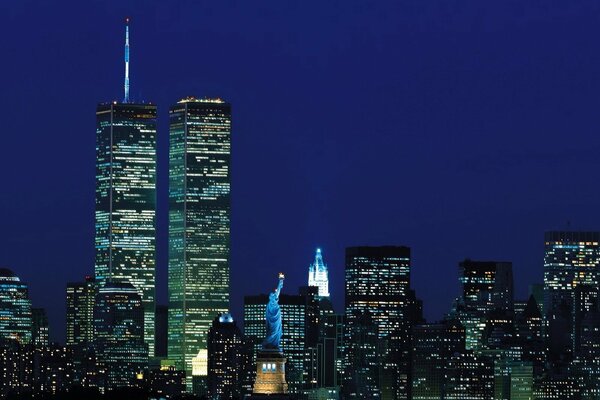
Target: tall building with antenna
{"points": [[318, 275], [125, 214]]}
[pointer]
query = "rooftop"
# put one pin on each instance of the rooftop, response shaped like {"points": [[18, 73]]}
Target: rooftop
{"points": [[192, 99]]}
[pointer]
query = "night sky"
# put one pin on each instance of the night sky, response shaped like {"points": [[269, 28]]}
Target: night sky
{"points": [[458, 128]]}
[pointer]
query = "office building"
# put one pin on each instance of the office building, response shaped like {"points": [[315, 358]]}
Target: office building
{"points": [[80, 311], [468, 376], [15, 308], [571, 282], [378, 285], [119, 334], [229, 359], [125, 215], [40, 330], [16, 368], [433, 345], [486, 286], [199, 226]]}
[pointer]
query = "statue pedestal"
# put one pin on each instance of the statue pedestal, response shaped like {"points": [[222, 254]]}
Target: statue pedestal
{"points": [[270, 374]]}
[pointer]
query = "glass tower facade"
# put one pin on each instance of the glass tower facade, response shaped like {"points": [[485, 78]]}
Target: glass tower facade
{"points": [[199, 225], [126, 201], [15, 308], [80, 311], [378, 285], [571, 259]]}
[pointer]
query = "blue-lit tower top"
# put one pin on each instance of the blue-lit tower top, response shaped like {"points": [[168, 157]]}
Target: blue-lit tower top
{"points": [[126, 98], [318, 275]]}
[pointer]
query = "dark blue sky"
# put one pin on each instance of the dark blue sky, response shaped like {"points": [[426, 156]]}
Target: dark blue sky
{"points": [[458, 128]]}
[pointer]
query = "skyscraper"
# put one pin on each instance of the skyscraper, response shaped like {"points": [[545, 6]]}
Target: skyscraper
{"points": [[486, 286], [570, 259], [199, 225], [229, 359], [571, 281], [80, 311], [126, 198], [378, 285], [433, 345], [40, 330], [15, 308], [318, 275], [119, 334]]}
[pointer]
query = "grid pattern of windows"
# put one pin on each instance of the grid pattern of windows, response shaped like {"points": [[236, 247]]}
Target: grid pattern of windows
{"points": [[15, 308], [199, 224], [80, 311], [119, 334], [377, 283], [126, 201], [570, 259], [228, 359]]}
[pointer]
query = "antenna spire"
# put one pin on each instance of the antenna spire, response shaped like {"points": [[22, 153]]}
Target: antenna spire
{"points": [[126, 99]]}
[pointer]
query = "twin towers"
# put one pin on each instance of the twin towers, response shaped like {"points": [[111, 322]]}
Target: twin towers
{"points": [[199, 213]]}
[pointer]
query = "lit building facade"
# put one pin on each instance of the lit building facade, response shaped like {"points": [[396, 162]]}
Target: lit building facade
{"points": [[433, 346], [486, 286], [570, 259], [199, 225], [318, 275], [571, 282], [80, 311], [378, 285], [15, 308], [119, 334], [229, 359], [125, 213]]}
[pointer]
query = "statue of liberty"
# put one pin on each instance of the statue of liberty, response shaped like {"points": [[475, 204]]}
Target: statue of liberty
{"points": [[273, 319]]}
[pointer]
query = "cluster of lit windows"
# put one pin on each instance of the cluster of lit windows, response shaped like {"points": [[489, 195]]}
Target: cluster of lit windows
{"points": [[269, 367], [199, 223], [126, 201], [15, 308]]}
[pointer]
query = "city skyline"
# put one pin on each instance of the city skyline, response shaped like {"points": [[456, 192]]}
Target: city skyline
{"points": [[507, 229]]}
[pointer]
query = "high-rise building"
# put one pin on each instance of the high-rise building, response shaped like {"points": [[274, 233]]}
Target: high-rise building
{"points": [[40, 330], [469, 376], [299, 315], [325, 362], [318, 275], [80, 311], [125, 215], [513, 380], [571, 282], [486, 286], [229, 359], [570, 259], [433, 345], [119, 334], [199, 225], [378, 284], [52, 369], [15, 308], [16, 366]]}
